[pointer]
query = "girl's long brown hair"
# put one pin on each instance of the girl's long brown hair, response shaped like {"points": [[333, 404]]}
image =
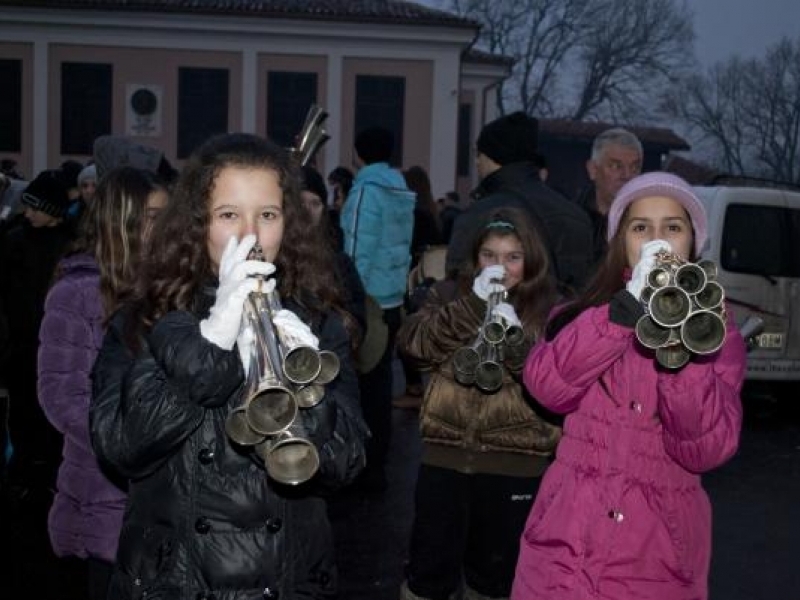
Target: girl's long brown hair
{"points": [[533, 297], [113, 229], [178, 263]]}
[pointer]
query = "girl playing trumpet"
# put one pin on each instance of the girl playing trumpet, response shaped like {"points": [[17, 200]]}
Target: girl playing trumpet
{"points": [[483, 451], [621, 513], [203, 519]]}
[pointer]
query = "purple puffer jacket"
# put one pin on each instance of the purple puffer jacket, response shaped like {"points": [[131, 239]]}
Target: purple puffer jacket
{"points": [[86, 515], [621, 513]]}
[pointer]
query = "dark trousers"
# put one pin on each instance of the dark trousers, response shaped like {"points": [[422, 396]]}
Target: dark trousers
{"points": [[467, 526], [36, 443], [376, 402]]}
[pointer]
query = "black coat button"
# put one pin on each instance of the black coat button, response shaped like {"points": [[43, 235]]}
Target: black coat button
{"points": [[270, 594], [206, 455], [274, 524], [202, 525]]}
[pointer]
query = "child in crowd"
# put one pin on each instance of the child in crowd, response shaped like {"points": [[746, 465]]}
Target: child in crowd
{"points": [[97, 273], [204, 519], [621, 513], [483, 452]]}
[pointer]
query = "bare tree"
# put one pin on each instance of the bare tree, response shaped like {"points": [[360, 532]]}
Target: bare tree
{"points": [[750, 112], [629, 52], [584, 58]]}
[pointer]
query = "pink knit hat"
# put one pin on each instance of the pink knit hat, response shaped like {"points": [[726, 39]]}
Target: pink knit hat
{"points": [[660, 184]]}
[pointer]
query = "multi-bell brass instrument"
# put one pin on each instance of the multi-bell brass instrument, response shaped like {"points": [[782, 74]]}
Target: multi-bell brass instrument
{"points": [[481, 363], [312, 135], [684, 310], [285, 376]]}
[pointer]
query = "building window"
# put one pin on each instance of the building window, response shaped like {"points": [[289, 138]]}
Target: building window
{"points": [[380, 102], [85, 105], [464, 143], [11, 106], [202, 106], [289, 96]]}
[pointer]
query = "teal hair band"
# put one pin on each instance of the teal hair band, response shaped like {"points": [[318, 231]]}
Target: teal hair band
{"points": [[499, 225]]}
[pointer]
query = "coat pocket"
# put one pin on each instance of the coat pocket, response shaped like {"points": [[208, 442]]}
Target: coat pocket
{"points": [[145, 554]]}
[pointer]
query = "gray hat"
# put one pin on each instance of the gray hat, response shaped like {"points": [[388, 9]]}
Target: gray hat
{"points": [[113, 151]]}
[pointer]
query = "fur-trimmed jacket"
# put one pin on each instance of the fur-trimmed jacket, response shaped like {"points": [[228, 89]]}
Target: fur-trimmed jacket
{"points": [[463, 428]]}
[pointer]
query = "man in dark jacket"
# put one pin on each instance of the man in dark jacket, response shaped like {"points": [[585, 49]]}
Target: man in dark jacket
{"points": [[616, 159], [29, 252], [506, 162]]}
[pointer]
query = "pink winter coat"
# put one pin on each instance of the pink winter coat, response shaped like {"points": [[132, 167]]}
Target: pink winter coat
{"points": [[621, 513]]}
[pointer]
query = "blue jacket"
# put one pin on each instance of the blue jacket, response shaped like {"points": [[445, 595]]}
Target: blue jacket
{"points": [[378, 220]]}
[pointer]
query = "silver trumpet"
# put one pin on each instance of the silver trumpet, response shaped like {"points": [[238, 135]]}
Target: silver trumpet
{"points": [[481, 363], [285, 376], [684, 310]]}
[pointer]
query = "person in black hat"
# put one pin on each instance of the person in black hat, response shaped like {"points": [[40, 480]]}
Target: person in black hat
{"points": [[29, 253], [506, 161]]}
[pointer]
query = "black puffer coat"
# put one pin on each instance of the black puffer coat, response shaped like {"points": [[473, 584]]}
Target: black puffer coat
{"points": [[203, 520]]}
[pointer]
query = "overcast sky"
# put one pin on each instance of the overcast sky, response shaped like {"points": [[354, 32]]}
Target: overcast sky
{"points": [[743, 27]]}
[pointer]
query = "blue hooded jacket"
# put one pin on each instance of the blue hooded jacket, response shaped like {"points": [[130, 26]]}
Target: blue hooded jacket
{"points": [[377, 221]]}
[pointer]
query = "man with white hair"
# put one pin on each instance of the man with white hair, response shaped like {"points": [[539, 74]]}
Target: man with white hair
{"points": [[616, 159]]}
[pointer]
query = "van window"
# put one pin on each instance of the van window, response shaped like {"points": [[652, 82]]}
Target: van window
{"points": [[763, 240]]}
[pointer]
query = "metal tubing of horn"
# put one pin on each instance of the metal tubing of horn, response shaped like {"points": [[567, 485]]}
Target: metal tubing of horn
{"points": [[690, 278], [301, 364], [309, 395], [659, 277], [238, 428], [703, 332], [271, 409], [650, 334], [710, 297], [494, 332], [669, 306], [289, 459], [489, 376], [514, 335], [710, 267], [329, 367], [465, 362], [673, 356]]}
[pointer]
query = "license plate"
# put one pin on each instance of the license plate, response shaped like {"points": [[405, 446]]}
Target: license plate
{"points": [[770, 340]]}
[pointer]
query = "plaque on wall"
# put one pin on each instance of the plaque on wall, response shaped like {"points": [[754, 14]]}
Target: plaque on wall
{"points": [[143, 110]]}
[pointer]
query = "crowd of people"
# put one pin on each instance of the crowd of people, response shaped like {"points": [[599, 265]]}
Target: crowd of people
{"points": [[559, 460]]}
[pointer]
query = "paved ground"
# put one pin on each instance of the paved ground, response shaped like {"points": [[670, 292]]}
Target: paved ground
{"points": [[756, 499]]}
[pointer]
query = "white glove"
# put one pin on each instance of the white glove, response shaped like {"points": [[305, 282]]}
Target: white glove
{"points": [[506, 312], [487, 281], [290, 327], [647, 260], [245, 344], [222, 326]]}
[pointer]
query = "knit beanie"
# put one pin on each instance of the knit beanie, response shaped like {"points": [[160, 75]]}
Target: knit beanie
{"points": [[510, 139], [374, 144], [68, 173], [89, 172], [659, 183], [112, 151], [47, 194]]}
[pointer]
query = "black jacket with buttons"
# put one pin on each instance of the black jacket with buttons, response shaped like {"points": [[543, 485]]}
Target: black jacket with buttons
{"points": [[203, 519]]}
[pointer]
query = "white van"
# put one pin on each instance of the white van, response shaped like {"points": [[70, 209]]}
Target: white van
{"points": [[754, 237]]}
